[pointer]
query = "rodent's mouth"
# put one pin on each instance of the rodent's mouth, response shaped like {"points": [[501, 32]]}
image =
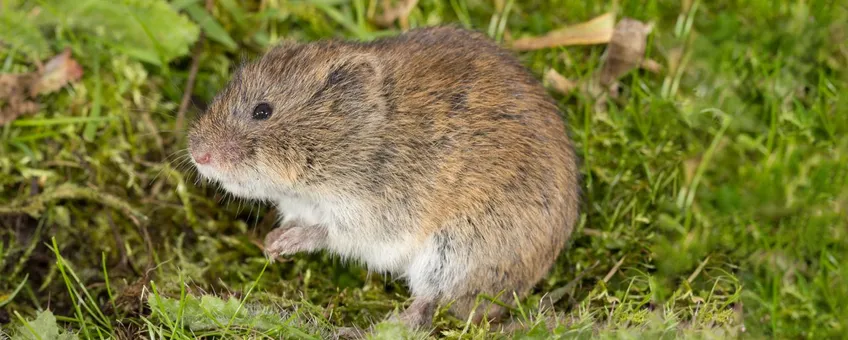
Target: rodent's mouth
{"points": [[219, 176], [243, 183]]}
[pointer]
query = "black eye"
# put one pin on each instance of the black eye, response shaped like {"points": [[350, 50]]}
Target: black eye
{"points": [[262, 111]]}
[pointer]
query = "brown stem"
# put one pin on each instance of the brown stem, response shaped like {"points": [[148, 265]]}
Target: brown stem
{"points": [[399, 12], [125, 260], [192, 74]]}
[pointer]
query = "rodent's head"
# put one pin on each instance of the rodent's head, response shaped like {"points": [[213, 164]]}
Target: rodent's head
{"points": [[301, 114]]}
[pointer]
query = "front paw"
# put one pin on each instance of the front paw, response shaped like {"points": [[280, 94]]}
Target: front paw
{"points": [[288, 241]]}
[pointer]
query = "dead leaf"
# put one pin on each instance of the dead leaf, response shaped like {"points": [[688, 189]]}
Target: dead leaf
{"points": [[13, 96], [599, 30], [59, 71], [398, 12], [558, 82], [625, 51], [18, 91], [131, 299], [651, 65]]}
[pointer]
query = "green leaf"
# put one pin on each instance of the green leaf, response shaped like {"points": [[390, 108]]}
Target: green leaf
{"points": [[182, 4], [210, 26], [21, 33], [210, 312], [96, 103], [134, 27], [236, 12], [393, 330], [539, 331], [44, 327]]}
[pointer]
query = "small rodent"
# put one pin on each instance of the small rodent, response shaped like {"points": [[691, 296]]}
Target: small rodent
{"points": [[433, 155]]}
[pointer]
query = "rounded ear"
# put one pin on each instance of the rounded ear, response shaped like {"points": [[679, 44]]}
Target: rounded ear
{"points": [[354, 86], [355, 70]]}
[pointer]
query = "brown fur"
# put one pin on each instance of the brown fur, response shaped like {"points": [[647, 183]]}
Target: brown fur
{"points": [[441, 135]]}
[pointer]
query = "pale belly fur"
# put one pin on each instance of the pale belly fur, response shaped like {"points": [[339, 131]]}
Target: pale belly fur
{"points": [[353, 232]]}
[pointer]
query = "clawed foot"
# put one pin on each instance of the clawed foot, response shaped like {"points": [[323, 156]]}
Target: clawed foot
{"points": [[288, 240], [418, 315]]}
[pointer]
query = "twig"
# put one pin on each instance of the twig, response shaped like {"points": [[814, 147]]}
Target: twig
{"points": [[154, 132], [698, 270], [598, 30], [614, 269], [33, 186], [192, 74], [651, 65], [593, 232], [149, 244], [125, 260], [559, 83], [559, 293]]}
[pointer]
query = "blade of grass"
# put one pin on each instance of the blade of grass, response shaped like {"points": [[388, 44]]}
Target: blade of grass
{"points": [[22, 261], [60, 121], [702, 167], [89, 303], [162, 313], [75, 299], [246, 295], [461, 11], [7, 64], [97, 101], [14, 293], [28, 326], [210, 26], [359, 8], [106, 280], [504, 18], [181, 309], [235, 11], [344, 21], [35, 136]]}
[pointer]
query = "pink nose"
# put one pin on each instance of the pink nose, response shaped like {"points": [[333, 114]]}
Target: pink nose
{"points": [[202, 159]]}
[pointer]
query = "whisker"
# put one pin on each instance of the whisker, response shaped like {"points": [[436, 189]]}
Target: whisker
{"points": [[183, 150], [256, 221], [161, 169], [183, 163], [179, 161], [182, 158]]}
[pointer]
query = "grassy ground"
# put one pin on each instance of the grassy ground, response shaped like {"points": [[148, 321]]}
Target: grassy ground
{"points": [[715, 190]]}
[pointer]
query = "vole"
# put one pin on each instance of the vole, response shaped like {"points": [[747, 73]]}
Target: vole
{"points": [[433, 155]]}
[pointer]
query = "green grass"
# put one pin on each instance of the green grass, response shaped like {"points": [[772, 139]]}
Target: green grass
{"points": [[715, 191]]}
